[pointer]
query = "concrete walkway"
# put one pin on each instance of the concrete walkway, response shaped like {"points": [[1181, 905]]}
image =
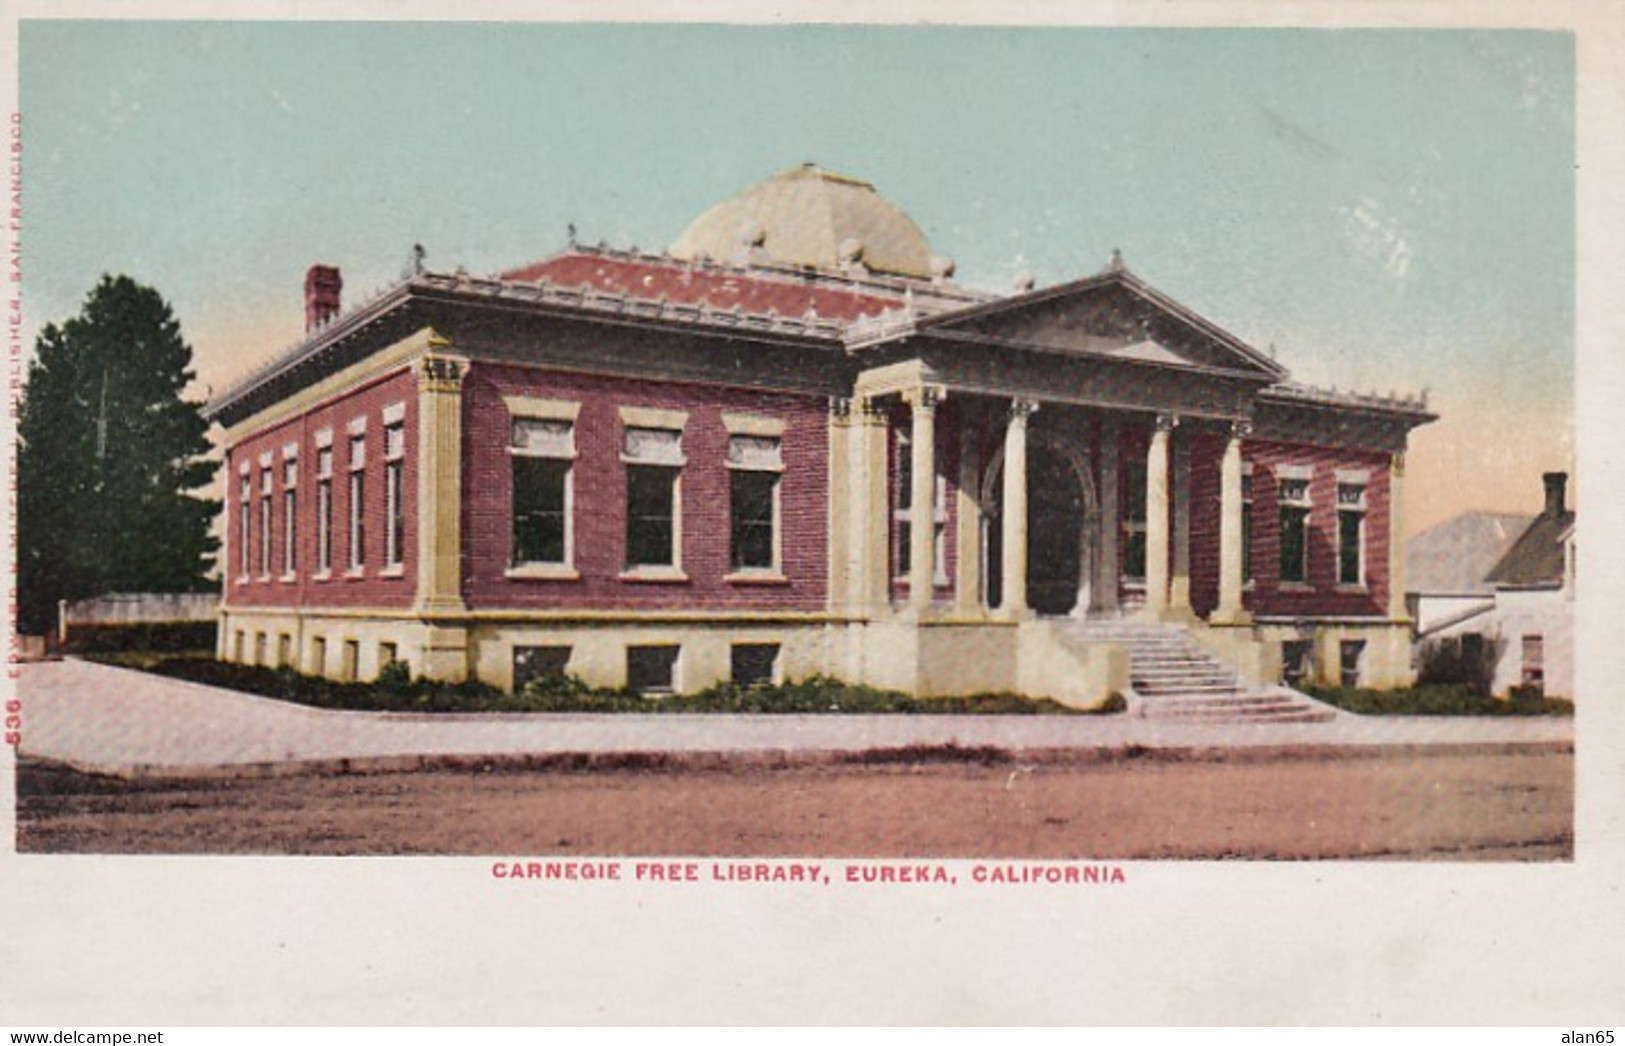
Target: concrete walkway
{"points": [[120, 721]]}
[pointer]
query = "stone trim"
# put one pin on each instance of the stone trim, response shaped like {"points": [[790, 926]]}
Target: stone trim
{"points": [[542, 409]]}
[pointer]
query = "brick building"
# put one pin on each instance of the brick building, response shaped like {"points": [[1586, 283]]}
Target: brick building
{"points": [[792, 444]]}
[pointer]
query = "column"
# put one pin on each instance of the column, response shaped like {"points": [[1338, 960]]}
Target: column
{"points": [[1111, 523], [922, 531], [1013, 560], [842, 488], [871, 537], [1231, 505], [1179, 587], [439, 511], [968, 520], [440, 490], [1156, 517], [1397, 610]]}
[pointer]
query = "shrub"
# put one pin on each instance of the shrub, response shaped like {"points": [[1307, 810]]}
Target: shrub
{"points": [[1432, 700], [164, 637], [394, 690], [1466, 661]]}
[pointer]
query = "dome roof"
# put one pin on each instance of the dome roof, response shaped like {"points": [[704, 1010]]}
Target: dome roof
{"points": [[810, 216]]}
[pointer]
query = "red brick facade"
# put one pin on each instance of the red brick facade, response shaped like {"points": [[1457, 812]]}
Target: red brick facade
{"points": [[599, 478], [375, 584], [1321, 595]]}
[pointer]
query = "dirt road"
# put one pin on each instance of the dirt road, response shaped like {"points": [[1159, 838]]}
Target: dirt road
{"points": [[1453, 806]]}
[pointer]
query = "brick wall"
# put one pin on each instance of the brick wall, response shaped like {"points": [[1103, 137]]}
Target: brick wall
{"points": [[1321, 595], [368, 587], [599, 493]]}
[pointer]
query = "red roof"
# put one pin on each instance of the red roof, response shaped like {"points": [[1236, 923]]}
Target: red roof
{"points": [[683, 284]]}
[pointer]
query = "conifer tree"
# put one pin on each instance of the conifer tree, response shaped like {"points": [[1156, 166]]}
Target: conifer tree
{"points": [[110, 456]]}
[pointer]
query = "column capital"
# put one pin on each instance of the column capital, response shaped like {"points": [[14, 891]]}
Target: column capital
{"points": [[1167, 422], [1396, 463], [1241, 428], [925, 397], [441, 373], [840, 408], [1022, 408], [873, 411]]}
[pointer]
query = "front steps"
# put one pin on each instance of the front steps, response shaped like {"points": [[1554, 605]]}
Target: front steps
{"points": [[1177, 678]]}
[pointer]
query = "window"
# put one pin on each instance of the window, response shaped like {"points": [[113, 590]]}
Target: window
{"points": [[265, 521], [350, 666], [394, 492], [318, 656], [388, 654], [260, 649], [1351, 652], [543, 457], [654, 459], [754, 664], [534, 664], [1534, 661], [245, 489], [1350, 533], [358, 502], [1292, 494], [652, 669], [1134, 526], [754, 464], [903, 516], [284, 651], [324, 510], [239, 646], [290, 514]]}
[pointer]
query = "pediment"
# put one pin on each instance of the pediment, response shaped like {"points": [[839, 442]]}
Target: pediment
{"points": [[1114, 315]]}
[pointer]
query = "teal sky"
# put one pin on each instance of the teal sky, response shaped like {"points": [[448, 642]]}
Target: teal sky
{"points": [[1387, 208]]}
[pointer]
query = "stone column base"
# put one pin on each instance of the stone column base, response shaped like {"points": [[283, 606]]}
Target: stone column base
{"points": [[445, 654]]}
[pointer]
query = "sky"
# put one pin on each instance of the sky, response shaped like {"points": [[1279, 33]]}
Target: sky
{"points": [[1384, 209]]}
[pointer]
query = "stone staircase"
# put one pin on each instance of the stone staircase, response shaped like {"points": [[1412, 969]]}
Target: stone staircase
{"points": [[1176, 678]]}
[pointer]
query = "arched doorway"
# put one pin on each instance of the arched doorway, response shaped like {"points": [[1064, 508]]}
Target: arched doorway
{"points": [[1063, 525]]}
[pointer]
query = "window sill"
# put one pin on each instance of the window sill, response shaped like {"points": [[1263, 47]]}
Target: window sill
{"points": [[542, 572], [398, 570], [322, 575], [654, 575], [1295, 586], [288, 579], [355, 572], [1354, 590], [263, 579], [756, 577]]}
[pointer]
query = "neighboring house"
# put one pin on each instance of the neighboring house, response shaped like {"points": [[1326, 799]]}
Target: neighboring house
{"points": [[1525, 628], [792, 445], [1447, 566]]}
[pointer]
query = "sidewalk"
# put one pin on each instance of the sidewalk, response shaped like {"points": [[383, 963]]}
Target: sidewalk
{"points": [[114, 720]]}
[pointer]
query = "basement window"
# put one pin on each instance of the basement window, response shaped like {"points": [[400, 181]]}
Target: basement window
{"points": [[652, 669], [754, 664]]}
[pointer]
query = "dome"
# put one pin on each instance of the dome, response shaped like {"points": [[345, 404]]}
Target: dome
{"points": [[810, 216]]}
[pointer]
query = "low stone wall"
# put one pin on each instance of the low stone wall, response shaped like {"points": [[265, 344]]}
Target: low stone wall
{"points": [[141, 608]]}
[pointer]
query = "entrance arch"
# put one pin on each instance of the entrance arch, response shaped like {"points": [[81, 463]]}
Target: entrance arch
{"points": [[1063, 527]]}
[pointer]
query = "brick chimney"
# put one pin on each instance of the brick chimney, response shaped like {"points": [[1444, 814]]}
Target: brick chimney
{"points": [[1556, 492], [323, 285]]}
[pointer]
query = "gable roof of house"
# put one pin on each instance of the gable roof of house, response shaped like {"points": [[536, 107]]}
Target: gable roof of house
{"points": [[1536, 560], [1455, 557]]}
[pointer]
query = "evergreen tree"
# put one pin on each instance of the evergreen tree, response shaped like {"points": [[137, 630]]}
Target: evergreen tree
{"points": [[109, 454]]}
